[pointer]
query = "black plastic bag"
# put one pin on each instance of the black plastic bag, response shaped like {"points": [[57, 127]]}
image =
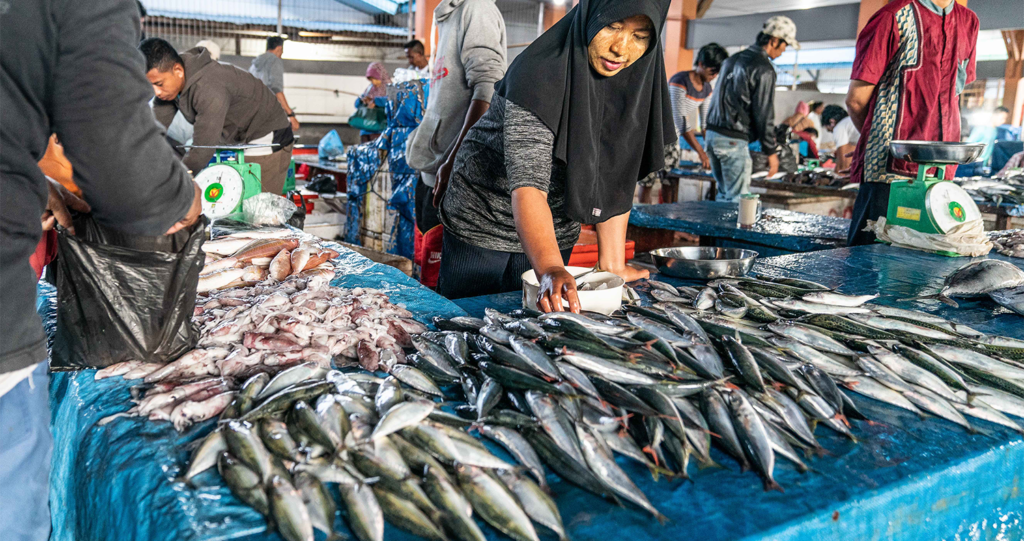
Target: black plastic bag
{"points": [[125, 297]]}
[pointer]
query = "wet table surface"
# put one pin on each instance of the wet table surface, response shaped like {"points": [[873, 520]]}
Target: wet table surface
{"points": [[785, 231], [907, 478]]}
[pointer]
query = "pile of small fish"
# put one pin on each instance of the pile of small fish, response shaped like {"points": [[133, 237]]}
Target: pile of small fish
{"points": [[825, 178], [251, 257], [994, 191], [1002, 281], [1009, 243], [267, 327]]}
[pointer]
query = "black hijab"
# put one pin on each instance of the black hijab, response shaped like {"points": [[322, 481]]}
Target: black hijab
{"points": [[610, 131]]}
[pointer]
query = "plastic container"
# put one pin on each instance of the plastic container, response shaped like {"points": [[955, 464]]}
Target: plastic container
{"points": [[604, 301]]}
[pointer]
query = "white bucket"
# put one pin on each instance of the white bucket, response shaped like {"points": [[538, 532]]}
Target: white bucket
{"points": [[604, 301]]}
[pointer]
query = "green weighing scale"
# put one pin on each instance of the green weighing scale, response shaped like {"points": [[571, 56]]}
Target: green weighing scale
{"points": [[228, 181], [928, 203]]}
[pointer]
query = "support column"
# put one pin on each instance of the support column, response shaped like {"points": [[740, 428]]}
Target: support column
{"points": [[553, 14], [424, 18], [677, 56], [1013, 92]]}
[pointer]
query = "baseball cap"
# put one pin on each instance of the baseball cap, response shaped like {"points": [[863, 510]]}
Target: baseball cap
{"points": [[782, 27]]}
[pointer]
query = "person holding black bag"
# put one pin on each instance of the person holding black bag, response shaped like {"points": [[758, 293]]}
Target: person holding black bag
{"points": [[69, 68]]}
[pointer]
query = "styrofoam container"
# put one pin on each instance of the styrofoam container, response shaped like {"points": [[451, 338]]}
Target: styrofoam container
{"points": [[603, 301]]}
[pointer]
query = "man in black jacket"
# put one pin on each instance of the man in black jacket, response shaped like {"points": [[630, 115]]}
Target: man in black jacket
{"points": [[70, 68], [743, 109]]}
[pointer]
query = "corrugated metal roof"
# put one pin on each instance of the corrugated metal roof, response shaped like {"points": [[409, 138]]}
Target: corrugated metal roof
{"points": [[327, 15]]}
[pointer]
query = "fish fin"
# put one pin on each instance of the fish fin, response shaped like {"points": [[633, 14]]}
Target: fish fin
{"points": [[701, 465], [946, 300], [744, 466], [975, 429], [770, 484]]}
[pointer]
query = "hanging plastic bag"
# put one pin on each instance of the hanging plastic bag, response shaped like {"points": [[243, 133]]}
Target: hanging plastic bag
{"points": [[124, 297], [331, 147]]}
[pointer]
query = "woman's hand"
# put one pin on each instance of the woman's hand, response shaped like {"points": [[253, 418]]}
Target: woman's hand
{"points": [[557, 284], [367, 101], [58, 202]]}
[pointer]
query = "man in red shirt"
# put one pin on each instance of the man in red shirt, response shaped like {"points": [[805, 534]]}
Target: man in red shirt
{"points": [[913, 60]]}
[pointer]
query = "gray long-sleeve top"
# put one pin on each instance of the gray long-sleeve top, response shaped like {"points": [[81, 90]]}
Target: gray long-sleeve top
{"points": [[509, 148], [72, 68], [224, 103]]}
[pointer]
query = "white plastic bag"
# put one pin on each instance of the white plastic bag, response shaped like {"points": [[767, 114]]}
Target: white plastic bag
{"points": [[968, 238], [267, 209]]}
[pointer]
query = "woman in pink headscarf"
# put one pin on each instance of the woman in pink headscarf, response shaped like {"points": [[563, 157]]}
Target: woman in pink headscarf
{"points": [[799, 121], [375, 95]]}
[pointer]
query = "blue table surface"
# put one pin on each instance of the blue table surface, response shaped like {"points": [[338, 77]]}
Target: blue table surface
{"points": [[784, 229], [907, 478]]}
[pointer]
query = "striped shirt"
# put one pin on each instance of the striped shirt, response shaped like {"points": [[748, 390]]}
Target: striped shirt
{"points": [[687, 101]]}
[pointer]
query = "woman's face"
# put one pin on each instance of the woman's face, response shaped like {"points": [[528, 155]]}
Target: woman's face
{"points": [[374, 81], [620, 44]]}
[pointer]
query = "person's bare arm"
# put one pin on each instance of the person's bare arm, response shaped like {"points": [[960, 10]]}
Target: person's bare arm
{"points": [[691, 139], [287, 110], [844, 157], [857, 99], [536, 230], [476, 111], [611, 248]]}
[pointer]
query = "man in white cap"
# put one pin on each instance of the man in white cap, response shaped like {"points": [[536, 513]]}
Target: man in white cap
{"points": [[743, 109]]}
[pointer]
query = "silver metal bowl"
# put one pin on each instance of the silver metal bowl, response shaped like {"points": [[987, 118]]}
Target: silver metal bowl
{"points": [[703, 263], [936, 152]]}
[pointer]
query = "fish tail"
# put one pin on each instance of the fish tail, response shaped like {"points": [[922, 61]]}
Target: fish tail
{"points": [[662, 519], [770, 484]]}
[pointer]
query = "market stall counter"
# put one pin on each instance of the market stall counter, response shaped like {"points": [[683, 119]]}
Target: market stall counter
{"points": [[778, 232], [907, 479]]}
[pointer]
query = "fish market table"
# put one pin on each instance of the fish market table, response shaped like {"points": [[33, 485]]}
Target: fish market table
{"points": [[778, 232], [120, 481], [907, 479]]}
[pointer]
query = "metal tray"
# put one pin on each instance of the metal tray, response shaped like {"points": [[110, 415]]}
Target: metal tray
{"points": [[703, 263], [936, 152]]}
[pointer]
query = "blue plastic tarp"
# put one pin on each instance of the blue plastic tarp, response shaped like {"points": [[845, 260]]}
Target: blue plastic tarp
{"points": [[119, 481], [907, 479]]}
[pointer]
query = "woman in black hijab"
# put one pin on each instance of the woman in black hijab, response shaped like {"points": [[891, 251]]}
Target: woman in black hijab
{"points": [[581, 115]]}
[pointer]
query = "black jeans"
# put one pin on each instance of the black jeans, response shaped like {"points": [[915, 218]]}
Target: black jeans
{"points": [[427, 216], [471, 271], [872, 202]]}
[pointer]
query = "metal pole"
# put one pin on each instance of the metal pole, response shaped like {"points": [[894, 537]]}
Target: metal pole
{"points": [[412, 20], [796, 71], [279, 26], [540, 19]]}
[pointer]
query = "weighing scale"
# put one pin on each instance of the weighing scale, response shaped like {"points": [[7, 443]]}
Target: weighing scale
{"points": [[929, 204], [228, 180]]}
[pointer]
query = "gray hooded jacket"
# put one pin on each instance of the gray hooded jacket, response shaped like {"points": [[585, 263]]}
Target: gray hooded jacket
{"points": [[469, 58]]}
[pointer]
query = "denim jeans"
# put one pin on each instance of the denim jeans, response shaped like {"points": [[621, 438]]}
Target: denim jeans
{"points": [[730, 164], [25, 446]]}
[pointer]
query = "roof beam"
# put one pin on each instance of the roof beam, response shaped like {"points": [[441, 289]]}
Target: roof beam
{"points": [[702, 7]]}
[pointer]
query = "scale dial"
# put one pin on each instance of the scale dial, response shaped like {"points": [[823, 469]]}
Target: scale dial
{"points": [[222, 189], [950, 205]]}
